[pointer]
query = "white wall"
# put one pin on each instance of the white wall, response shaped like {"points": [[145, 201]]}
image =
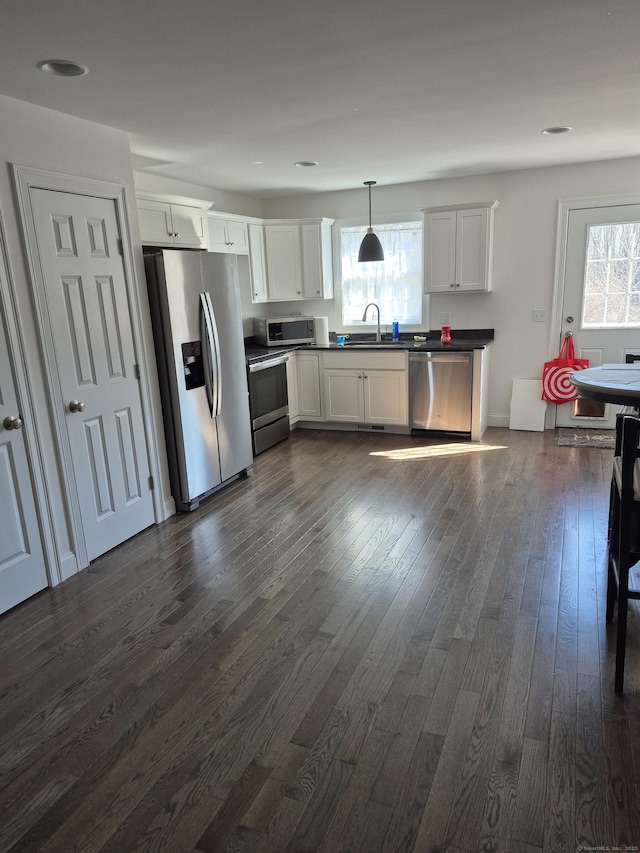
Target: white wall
{"points": [[225, 202], [523, 260], [40, 138]]}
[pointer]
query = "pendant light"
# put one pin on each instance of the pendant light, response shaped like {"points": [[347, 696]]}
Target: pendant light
{"points": [[371, 247]]}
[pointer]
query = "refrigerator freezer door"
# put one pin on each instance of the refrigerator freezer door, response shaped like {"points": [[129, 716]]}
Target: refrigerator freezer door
{"points": [[220, 277]]}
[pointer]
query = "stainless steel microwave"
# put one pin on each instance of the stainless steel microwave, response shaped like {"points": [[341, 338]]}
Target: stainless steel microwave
{"points": [[280, 331]]}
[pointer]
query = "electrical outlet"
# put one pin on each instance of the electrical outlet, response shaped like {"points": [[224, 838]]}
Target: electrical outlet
{"points": [[444, 318], [539, 315]]}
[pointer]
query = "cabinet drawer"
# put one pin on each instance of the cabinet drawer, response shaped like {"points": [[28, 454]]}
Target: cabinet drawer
{"points": [[357, 359]]}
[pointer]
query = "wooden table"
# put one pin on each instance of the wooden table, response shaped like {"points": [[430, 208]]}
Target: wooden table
{"points": [[610, 383]]}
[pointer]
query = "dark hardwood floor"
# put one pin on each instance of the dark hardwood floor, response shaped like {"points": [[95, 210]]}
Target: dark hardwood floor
{"points": [[375, 643]]}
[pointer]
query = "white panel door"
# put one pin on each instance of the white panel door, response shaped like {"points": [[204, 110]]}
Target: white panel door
{"points": [[86, 296], [22, 568], [601, 297]]}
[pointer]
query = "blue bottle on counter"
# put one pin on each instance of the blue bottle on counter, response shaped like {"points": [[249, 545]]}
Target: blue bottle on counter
{"points": [[395, 330]]}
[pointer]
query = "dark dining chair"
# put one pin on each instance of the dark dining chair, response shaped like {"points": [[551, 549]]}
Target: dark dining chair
{"points": [[624, 534]]}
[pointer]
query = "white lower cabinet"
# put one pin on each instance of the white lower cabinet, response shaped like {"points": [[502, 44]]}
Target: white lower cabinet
{"points": [[344, 395], [357, 389], [366, 396], [352, 389], [292, 387], [386, 397], [308, 386]]}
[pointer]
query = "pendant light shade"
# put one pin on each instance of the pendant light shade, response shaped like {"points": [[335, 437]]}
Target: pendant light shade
{"points": [[371, 247]]}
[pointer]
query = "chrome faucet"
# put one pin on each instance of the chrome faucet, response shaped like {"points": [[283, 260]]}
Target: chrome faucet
{"points": [[364, 317]]}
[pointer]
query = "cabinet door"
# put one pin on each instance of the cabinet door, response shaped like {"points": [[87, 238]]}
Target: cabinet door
{"points": [[312, 267], [189, 226], [256, 261], [284, 262], [218, 236], [471, 249], [238, 237], [292, 387], [155, 222], [308, 382], [386, 397], [440, 251], [343, 395], [317, 260]]}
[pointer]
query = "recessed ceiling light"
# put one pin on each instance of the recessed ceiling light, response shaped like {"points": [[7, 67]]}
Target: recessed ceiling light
{"points": [[62, 68], [552, 131], [306, 164]]}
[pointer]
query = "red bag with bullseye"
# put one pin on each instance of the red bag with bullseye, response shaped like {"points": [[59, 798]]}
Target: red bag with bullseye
{"points": [[556, 387]]}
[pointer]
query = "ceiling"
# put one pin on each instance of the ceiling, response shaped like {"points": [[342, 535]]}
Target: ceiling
{"points": [[230, 95]]}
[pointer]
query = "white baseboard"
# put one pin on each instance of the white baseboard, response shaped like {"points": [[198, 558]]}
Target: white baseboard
{"points": [[68, 567], [496, 420], [169, 509]]}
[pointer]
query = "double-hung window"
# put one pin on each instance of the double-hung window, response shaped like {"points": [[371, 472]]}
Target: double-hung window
{"points": [[394, 284]]}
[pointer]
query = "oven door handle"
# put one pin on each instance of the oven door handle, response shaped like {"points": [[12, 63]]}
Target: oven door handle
{"points": [[270, 362], [211, 355]]}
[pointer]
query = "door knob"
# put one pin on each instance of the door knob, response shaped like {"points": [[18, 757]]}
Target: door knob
{"points": [[12, 423], [76, 406]]}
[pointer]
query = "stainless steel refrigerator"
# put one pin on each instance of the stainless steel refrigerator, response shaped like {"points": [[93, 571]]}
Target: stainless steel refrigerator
{"points": [[197, 326]]}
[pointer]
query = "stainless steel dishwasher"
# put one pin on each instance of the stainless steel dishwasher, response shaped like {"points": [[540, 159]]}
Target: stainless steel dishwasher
{"points": [[440, 391]]}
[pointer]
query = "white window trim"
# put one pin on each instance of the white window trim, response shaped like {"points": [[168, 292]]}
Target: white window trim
{"points": [[338, 225]]}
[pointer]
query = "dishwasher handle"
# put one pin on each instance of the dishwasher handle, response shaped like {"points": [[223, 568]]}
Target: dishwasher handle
{"points": [[442, 357]]}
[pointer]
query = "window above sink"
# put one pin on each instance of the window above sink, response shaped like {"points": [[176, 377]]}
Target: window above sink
{"points": [[394, 284]]}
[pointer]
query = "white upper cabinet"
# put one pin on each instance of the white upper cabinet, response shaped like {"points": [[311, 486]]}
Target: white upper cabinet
{"points": [[299, 259], [163, 223], [458, 248], [317, 260], [257, 264], [284, 262], [228, 235]]}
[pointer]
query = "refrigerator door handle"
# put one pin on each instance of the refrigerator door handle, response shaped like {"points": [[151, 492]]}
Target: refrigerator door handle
{"points": [[211, 355]]}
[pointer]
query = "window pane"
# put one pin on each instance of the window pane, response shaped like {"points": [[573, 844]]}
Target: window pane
{"points": [[612, 276], [394, 284]]}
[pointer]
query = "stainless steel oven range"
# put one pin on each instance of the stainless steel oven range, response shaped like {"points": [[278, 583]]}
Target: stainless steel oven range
{"points": [[268, 401]]}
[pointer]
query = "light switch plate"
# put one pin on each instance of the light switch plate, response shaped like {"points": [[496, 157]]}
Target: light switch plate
{"points": [[444, 318], [539, 315]]}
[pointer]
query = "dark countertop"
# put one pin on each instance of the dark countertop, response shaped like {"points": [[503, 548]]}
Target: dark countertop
{"points": [[462, 341]]}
